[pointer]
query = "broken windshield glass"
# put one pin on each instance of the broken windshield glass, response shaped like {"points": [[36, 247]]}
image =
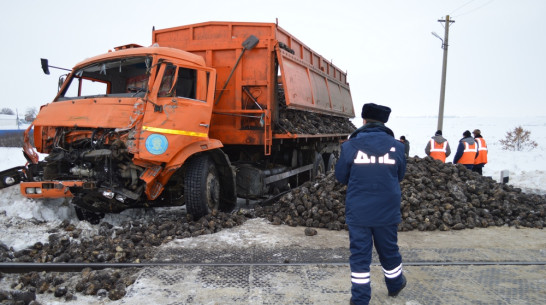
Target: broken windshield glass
{"points": [[126, 77]]}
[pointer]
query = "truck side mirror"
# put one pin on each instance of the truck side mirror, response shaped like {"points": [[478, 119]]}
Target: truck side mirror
{"points": [[45, 65]]}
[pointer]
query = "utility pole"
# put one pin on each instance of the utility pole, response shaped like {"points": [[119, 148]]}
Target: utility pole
{"points": [[17, 118], [444, 68]]}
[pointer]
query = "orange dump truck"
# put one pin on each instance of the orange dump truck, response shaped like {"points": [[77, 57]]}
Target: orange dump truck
{"points": [[199, 118]]}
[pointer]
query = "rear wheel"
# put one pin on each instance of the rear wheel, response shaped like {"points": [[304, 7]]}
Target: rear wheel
{"points": [[330, 163], [201, 187], [318, 166]]}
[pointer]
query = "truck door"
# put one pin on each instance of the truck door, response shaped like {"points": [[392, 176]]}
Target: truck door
{"points": [[180, 114]]}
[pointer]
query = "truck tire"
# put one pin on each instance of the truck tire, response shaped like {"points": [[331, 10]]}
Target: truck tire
{"points": [[318, 166], [331, 161], [201, 187]]}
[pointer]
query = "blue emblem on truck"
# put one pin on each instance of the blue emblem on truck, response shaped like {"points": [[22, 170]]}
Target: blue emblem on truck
{"points": [[156, 144]]}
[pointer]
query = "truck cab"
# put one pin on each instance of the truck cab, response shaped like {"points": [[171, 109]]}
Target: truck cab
{"points": [[121, 126]]}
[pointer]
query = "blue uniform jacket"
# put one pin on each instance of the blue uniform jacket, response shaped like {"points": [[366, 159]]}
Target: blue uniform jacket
{"points": [[372, 164], [460, 148]]}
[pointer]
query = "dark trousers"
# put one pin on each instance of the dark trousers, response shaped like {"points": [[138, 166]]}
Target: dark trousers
{"points": [[385, 240], [478, 168]]}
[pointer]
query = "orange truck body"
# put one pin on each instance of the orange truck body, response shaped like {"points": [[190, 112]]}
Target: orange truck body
{"points": [[310, 82], [190, 119]]}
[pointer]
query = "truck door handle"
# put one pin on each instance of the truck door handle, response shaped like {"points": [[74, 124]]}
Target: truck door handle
{"points": [[204, 125]]}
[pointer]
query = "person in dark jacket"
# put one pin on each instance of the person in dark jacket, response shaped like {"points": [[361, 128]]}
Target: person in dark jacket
{"points": [[467, 151], [372, 163], [406, 145]]}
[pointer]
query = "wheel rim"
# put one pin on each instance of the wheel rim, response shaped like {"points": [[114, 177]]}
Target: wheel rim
{"points": [[213, 192]]}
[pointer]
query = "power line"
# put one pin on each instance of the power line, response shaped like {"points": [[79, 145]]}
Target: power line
{"points": [[460, 7], [475, 9]]}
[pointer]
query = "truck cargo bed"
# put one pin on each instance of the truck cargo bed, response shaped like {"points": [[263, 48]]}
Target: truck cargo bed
{"points": [[280, 73]]}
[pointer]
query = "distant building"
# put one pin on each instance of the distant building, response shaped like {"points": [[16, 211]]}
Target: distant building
{"points": [[10, 123]]}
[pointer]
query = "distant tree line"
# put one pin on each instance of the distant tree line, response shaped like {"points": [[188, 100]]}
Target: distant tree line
{"points": [[30, 113]]}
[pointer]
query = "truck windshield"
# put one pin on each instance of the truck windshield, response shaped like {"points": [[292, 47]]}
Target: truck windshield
{"points": [[126, 77]]}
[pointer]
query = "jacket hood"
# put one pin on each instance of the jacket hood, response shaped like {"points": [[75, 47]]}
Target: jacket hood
{"points": [[439, 139], [469, 140]]}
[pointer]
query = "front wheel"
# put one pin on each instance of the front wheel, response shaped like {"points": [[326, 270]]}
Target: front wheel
{"points": [[201, 187]]}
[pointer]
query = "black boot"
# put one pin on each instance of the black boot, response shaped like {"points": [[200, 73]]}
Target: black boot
{"points": [[395, 293]]}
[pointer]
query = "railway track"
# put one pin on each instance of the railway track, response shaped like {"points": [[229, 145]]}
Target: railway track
{"points": [[77, 267]]}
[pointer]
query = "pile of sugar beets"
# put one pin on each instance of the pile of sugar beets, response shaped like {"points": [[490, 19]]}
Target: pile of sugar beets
{"points": [[435, 196], [303, 122], [135, 241]]}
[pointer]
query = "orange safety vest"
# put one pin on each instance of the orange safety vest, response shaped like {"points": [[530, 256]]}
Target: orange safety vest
{"points": [[438, 151], [482, 148], [469, 154]]}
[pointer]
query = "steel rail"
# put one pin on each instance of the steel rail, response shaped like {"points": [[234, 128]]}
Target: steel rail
{"points": [[77, 267]]}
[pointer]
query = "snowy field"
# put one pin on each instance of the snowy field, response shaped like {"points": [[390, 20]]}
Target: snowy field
{"points": [[28, 221]]}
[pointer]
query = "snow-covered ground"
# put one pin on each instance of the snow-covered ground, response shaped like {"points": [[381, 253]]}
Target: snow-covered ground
{"points": [[527, 168], [27, 221]]}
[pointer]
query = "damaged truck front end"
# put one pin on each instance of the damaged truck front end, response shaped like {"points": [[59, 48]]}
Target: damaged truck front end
{"points": [[109, 134]]}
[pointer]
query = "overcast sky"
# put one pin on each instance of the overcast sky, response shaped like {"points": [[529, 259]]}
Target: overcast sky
{"points": [[496, 61]]}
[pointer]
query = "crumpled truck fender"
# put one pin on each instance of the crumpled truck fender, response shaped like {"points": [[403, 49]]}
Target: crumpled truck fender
{"points": [[156, 180]]}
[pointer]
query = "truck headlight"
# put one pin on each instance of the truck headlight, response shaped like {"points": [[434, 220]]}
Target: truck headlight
{"points": [[33, 190], [108, 194]]}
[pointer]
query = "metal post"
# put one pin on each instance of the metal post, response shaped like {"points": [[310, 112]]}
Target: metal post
{"points": [[17, 119], [444, 69]]}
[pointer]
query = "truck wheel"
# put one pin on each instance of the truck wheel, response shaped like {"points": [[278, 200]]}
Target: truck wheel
{"points": [[201, 187], [318, 166], [330, 163]]}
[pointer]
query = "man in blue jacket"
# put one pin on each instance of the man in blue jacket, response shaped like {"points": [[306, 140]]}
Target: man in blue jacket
{"points": [[372, 164]]}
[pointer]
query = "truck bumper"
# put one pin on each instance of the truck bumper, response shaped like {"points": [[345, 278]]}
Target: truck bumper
{"points": [[50, 189]]}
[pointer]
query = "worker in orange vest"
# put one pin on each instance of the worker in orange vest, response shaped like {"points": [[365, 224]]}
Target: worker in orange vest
{"points": [[438, 147], [466, 151], [481, 159], [406, 145]]}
